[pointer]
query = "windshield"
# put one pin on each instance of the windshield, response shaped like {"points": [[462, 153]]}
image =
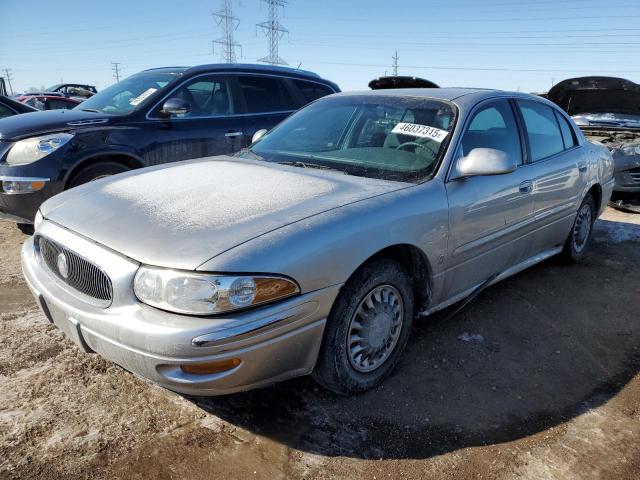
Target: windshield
{"points": [[122, 97], [385, 137], [607, 119]]}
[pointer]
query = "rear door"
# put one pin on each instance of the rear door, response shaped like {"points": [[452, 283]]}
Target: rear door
{"points": [[558, 167], [213, 125], [265, 101], [488, 215]]}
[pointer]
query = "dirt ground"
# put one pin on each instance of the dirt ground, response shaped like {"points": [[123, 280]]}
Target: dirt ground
{"points": [[552, 391]]}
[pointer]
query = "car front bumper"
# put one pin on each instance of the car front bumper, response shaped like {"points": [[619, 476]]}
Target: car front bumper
{"points": [[273, 343], [627, 181]]}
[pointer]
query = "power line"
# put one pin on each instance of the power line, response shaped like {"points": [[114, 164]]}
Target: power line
{"points": [[274, 31], [225, 19], [115, 66], [395, 64], [9, 76]]}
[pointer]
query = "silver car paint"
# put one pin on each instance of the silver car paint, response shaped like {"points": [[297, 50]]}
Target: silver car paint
{"points": [[469, 230]]}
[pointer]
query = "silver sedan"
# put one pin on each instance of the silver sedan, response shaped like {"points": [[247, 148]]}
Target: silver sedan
{"points": [[313, 251]]}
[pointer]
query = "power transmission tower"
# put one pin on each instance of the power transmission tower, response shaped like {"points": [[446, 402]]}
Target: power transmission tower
{"points": [[115, 66], [274, 31], [395, 64], [7, 72], [225, 19]]}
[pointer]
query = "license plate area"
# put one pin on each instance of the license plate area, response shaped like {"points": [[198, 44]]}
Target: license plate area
{"points": [[66, 323]]}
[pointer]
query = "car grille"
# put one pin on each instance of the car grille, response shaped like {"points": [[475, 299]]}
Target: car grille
{"points": [[75, 271], [635, 175]]}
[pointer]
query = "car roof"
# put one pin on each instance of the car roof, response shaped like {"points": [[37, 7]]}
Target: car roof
{"points": [[244, 67]]}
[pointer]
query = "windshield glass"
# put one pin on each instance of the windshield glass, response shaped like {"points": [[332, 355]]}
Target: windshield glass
{"points": [[608, 119], [385, 137], [122, 97]]}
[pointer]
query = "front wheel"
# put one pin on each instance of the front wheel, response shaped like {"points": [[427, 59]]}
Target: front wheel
{"points": [[367, 329], [96, 172], [581, 231]]}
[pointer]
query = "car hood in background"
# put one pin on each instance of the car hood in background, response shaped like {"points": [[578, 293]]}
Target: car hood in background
{"points": [[31, 124], [596, 94], [181, 215]]}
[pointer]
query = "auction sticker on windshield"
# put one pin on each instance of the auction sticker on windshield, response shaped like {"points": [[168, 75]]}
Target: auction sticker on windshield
{"points": [[142, 96], [422, 131]]}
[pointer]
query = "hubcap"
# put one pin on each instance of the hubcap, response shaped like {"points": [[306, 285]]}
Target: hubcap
{"points": [[582, 228], [375, 328]]}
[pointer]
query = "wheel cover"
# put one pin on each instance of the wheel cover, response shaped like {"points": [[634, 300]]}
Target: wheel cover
{"points": [[582, 228], [374, 328]]}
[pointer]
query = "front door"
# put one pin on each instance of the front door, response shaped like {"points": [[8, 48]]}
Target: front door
{"points": [[488, 215], [211, 127]]}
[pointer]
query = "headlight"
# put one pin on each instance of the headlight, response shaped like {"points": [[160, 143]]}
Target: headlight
{"points": [[32, 149], [631, 150], [37, 221], [206, 294]]}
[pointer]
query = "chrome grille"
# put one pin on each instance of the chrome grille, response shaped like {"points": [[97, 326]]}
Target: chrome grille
{"points": [[75, 271]]}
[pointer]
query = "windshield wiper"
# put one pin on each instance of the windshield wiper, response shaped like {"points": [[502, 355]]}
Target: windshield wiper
{"points": [[300, 164], [90, 110]]}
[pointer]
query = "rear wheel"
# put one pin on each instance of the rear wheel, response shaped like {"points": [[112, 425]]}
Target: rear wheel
{"points": [[96, 172], [367, 329], [576, 245]]}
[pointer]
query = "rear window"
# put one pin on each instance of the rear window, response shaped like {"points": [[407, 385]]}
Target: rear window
{"points": [[568, 136], [5, 112], [264, 94], [312, 91], [543, 131]]}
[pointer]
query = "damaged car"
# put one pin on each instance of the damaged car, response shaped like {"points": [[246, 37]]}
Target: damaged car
{"points": [[607, 110], [312, 251]]}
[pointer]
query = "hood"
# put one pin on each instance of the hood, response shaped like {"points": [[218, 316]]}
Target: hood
{"points": [[596, 95], [31, 124], [182, 214]]}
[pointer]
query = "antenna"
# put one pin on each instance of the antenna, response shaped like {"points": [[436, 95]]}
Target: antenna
{"points": [[7, 72], [225, 19], [395, 64], [115, 66], [274, 31]]}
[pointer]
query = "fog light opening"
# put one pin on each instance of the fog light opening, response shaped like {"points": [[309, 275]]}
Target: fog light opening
{"points": [[210, 367]]}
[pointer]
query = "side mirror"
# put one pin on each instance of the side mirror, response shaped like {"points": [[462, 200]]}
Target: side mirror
{"points": [[175, 106], [258, 135], [485, 161]]}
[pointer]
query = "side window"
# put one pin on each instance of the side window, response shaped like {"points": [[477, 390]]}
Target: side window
{"points": [[542, 129], [265, 94], [494, 126], [312, 91], [55, 104], [5, 112], [568, 135], [207, 97]]}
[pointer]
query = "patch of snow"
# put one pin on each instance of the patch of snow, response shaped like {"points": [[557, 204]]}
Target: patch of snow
{"points": [[471, 337]]}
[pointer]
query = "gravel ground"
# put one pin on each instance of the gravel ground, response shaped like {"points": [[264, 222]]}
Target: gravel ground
{"points": [[551, 390]]}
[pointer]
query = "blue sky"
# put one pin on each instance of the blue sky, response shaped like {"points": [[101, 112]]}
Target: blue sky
{"points": [[508, 44]]}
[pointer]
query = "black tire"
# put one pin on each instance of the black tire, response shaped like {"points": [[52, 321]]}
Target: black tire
{"points": [[334, 369], [96, 171], [25, 228], [578, 241]]}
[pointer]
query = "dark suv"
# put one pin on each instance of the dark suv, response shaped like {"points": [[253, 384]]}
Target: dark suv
{"points": [[156, 116]]}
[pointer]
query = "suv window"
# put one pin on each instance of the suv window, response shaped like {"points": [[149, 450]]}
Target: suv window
{"points": [[312, 91], [494, 126], [568, 135], [266, 94], [207, 96], [5, 111], [543, 131]]}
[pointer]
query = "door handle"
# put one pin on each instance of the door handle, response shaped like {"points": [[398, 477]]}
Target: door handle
{"points": [[582, 167], [233, 134], [526, 186]]}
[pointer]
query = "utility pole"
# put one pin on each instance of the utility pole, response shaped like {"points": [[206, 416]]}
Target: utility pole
{"points": [[274, 31], [9, 75], [115, 66], [395, 64], [225, 19]]}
